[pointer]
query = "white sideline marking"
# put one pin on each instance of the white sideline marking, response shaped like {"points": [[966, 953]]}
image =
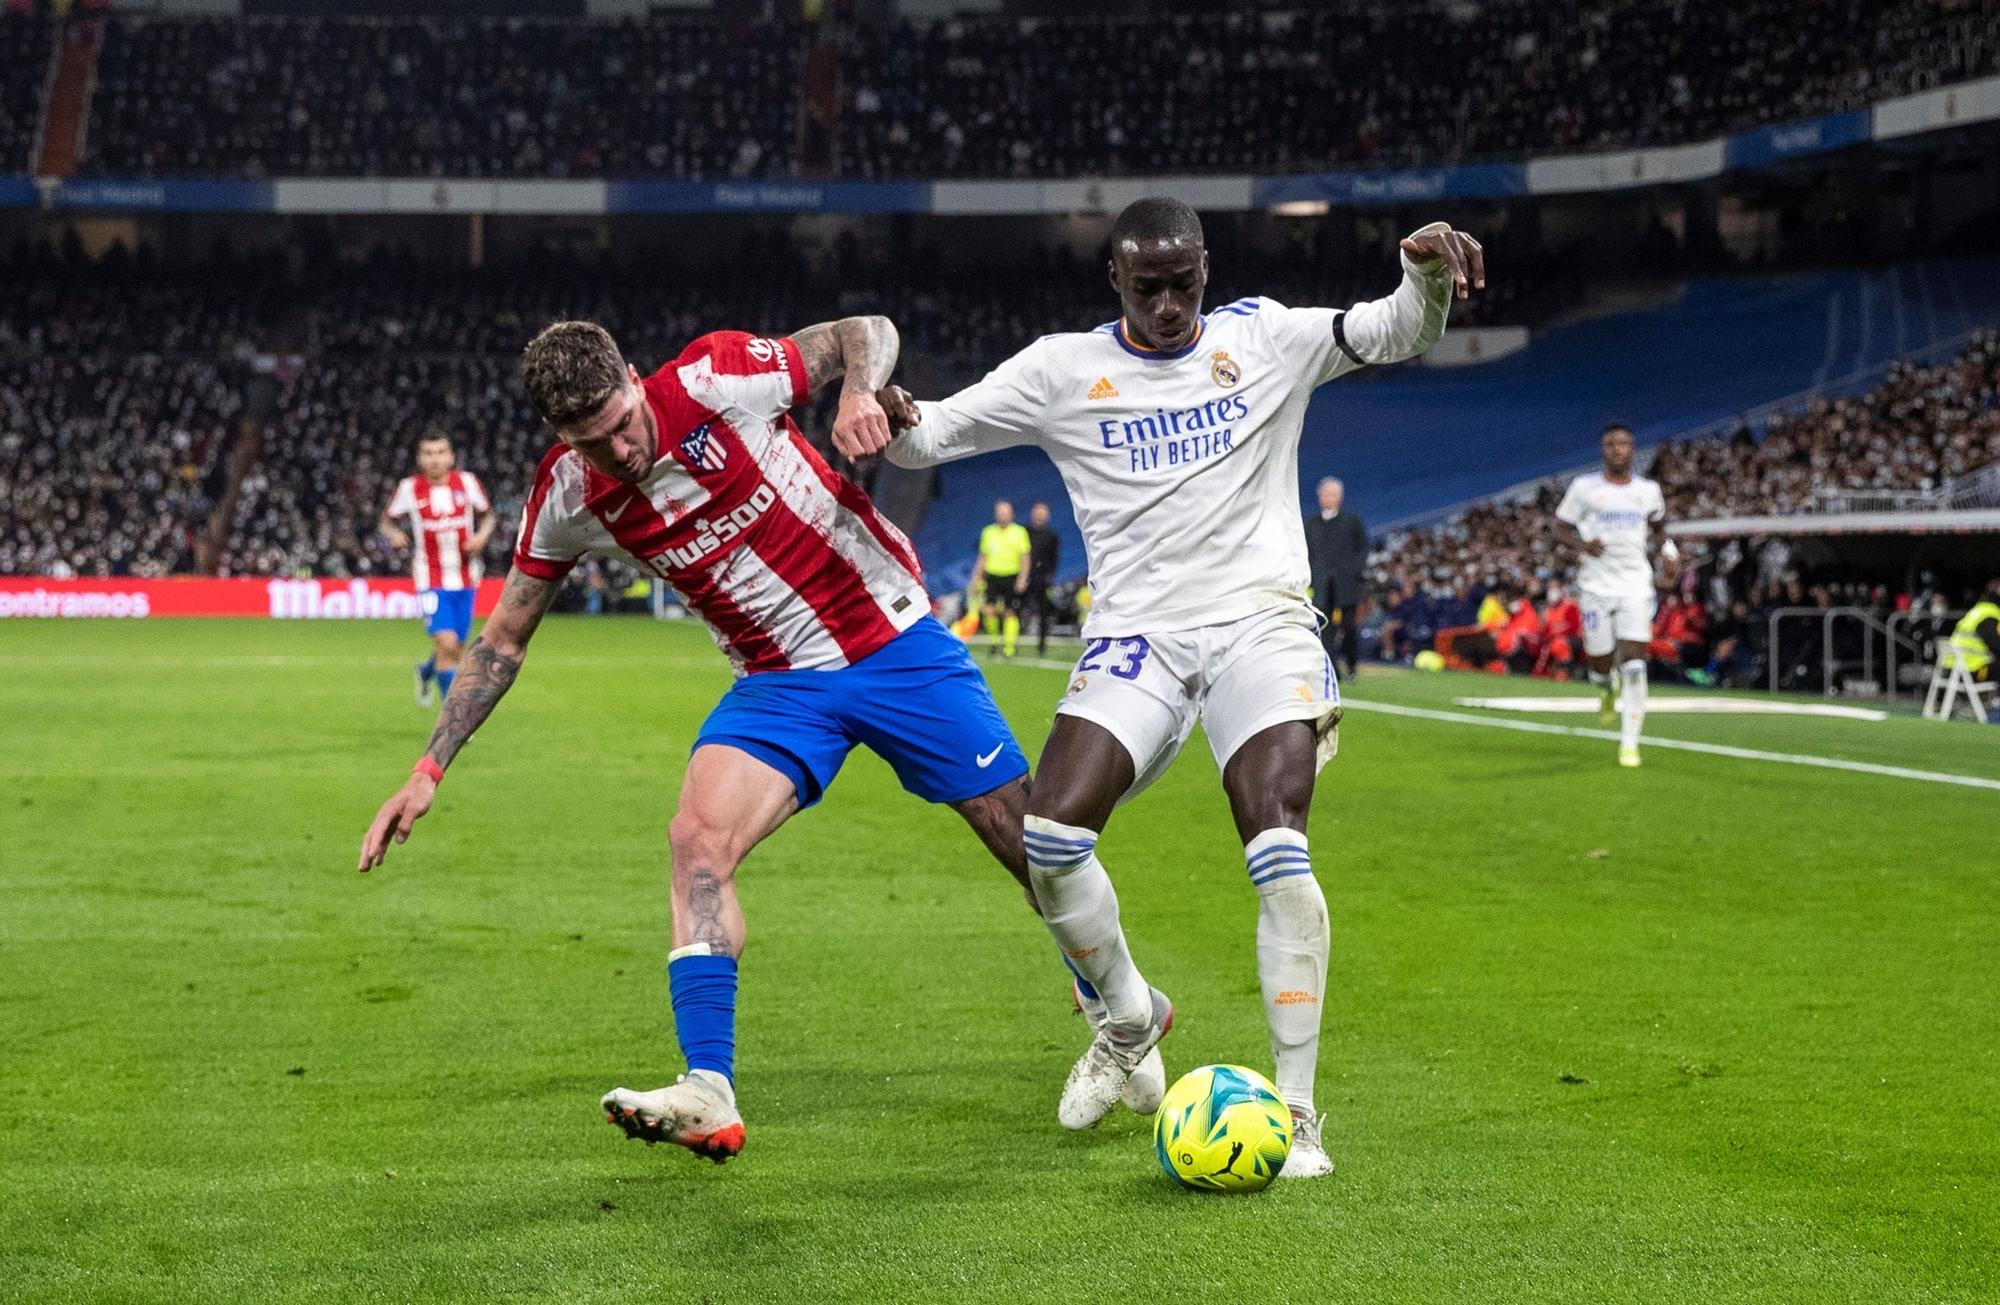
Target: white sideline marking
{"points": [[1683, 745], [1719, 705]]}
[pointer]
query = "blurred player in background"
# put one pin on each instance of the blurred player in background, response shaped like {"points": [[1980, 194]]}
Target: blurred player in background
{"points": [[449, 520], [697, 476], [1000, 577], [1044, 557], [1177, 434], [1621, 523]]}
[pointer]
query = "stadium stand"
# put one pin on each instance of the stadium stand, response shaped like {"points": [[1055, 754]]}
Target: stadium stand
{"points": [[25, 38], [1348, 83], [683, 97], [691, 97]]}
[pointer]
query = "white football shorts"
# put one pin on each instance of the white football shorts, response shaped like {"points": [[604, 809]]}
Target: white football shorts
{"points": [[1612, 619], [1238, 679]]}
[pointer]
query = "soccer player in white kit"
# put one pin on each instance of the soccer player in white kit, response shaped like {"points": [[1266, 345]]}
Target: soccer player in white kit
{"points": [[1620, 521], [1177, 435]]}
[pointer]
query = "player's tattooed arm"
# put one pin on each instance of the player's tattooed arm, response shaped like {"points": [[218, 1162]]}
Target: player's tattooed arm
{"points": [[863, 351], [484, 675], [490, 663]]}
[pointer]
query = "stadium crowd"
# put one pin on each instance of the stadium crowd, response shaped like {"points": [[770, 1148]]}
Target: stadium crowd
{"points": [[20, 85], [423, 97], [1337, 84], [1495, 576]]}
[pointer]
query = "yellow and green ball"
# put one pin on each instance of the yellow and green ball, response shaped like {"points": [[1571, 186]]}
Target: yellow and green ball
{"points": [[1223, 1128]]}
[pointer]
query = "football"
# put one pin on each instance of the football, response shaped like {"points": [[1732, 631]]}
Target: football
{"points": [[1223, 1128]]}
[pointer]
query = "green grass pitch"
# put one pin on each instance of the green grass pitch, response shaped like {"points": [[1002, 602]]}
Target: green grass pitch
{"points": [[1717, 1029]]}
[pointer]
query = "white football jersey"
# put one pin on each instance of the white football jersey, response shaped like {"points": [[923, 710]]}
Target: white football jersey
{"points": [[1621, 516], [1183, 467]]}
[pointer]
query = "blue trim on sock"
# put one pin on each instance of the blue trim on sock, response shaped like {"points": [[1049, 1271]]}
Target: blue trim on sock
{"points": [[1050, 840], [444, 679], [1082, 984], [703, 990], [1282, 874]]}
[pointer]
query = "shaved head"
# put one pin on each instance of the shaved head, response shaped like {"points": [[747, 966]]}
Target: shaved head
{"points": [[1155, 220]]}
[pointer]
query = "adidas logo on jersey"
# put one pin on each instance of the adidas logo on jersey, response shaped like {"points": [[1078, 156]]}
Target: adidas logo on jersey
{"points": [[1104, 389]]}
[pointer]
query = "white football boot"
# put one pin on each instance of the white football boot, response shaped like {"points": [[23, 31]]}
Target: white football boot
{"points": [[697, 1112], [1308, 1158], [1148, 1083], [1628, 757], [1098, 1079], [423, 686]]}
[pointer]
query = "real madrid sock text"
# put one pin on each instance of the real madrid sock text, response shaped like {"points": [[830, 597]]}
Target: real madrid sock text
{"points": [[1632, 701], [1081, 910], [703, 990], [1292, 944]]}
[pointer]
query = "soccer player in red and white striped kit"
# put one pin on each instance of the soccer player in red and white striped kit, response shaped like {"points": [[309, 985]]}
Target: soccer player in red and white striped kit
{"points": [[448, 520], [697, 476]]}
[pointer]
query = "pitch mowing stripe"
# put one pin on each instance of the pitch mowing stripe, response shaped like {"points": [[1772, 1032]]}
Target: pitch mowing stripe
{"points": [[1612, 736], [1684, 745]]}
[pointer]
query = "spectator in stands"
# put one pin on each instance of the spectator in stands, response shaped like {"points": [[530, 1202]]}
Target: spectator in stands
{"points": [[1337, 560]]}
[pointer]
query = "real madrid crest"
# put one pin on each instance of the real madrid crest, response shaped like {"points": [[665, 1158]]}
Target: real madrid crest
{"points": [[1223, 369]]}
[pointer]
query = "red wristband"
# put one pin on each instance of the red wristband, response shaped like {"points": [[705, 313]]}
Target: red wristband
{"points": [[425, 766]]}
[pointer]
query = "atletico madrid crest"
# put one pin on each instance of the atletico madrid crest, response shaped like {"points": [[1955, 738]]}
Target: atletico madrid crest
{"points": [[700, 447]]}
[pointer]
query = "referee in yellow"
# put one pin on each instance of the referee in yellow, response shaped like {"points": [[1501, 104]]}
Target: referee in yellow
{"points": [[1001, 573]]}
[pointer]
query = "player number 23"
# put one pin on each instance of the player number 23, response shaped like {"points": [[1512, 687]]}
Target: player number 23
{"points": [[1132, 650]]}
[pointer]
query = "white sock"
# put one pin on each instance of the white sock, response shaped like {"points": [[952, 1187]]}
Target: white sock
{"points": [[1081, 910], [1292, 944], [1632, 701]]}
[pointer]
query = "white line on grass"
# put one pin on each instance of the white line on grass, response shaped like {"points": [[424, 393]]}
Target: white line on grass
{"points": [[1684, 745]]}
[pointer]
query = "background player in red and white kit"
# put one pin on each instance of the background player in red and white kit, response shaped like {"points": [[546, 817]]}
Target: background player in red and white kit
{"points": [[696, 475], [443, 517]]}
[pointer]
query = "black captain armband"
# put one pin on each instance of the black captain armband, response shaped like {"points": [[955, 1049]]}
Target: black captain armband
{"points": [[1340, 338]]}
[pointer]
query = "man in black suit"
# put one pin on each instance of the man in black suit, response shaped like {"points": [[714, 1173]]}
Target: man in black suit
{"points": [[1337, 552], [1044, 550]]}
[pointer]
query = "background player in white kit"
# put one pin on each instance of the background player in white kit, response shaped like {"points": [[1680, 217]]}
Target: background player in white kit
{"points": [[1177, 435], [1620, 520], [448, 520]]}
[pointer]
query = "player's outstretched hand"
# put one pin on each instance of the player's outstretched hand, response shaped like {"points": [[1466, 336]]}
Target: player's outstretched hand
{"points": [[860, 428], [901, 407], [1461, 253], [394, 820]]}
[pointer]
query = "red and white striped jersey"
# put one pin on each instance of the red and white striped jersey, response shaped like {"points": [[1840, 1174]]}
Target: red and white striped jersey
{"points": [[440, 521], [789, 563]]}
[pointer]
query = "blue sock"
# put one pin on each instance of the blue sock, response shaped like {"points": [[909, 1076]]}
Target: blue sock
{"points": [[704, 996], [444, 679], [430, 666], [1082, 984]]}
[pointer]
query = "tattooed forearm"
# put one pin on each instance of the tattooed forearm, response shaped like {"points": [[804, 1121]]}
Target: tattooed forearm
{"points": [[490, 664], [704, 913], [484, 676], [862, 349]]}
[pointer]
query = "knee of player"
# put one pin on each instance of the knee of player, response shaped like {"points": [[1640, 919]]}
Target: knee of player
{"points": [[698, 843], [446, 643]]}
